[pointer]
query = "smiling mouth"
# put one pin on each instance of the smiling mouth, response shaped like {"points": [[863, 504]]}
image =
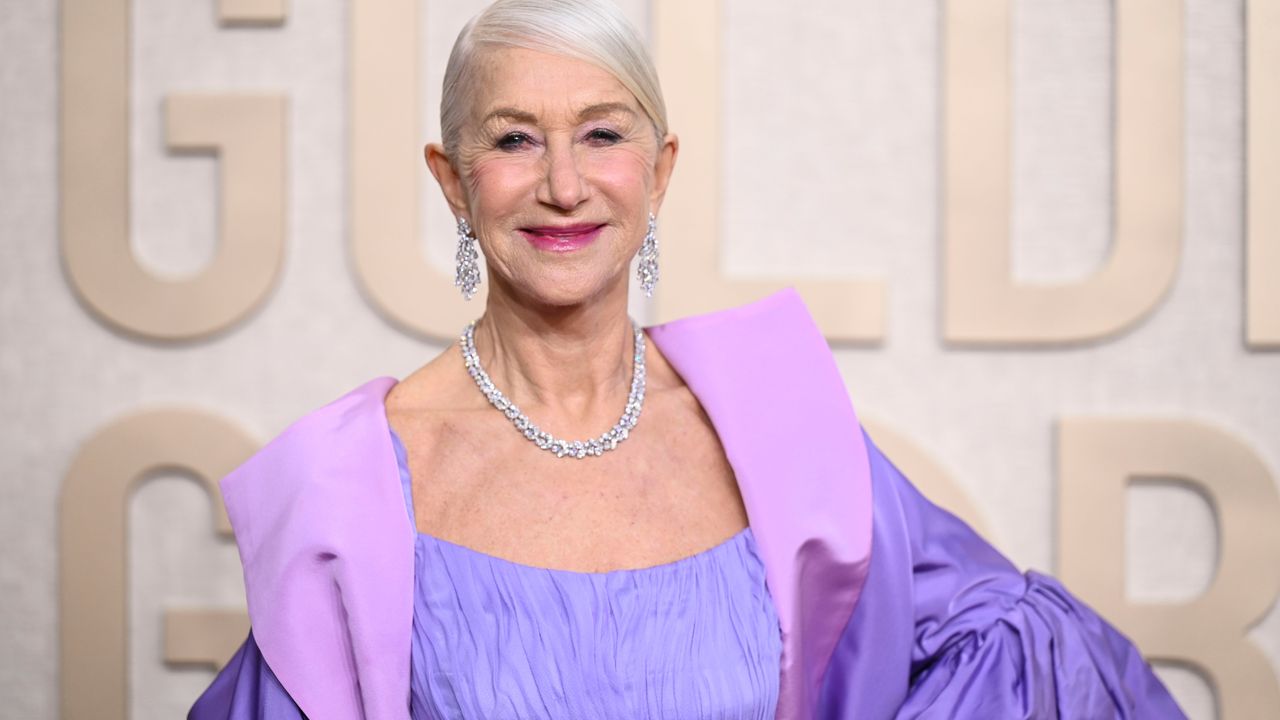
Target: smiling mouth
{"points": [[565, 238]]}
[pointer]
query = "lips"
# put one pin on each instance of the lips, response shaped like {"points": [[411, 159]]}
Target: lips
{"points": [[562, 238]]}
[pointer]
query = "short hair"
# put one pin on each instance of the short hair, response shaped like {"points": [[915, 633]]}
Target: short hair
{"points": [[595, 31]]}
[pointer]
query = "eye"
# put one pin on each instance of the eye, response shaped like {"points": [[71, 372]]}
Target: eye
{"points": [[513, 141], [603, 136]]}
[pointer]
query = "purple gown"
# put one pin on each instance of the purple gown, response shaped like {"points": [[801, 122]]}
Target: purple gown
{"points": [[888, 606]]}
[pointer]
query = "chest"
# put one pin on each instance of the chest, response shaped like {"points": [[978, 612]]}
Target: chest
{"points": [[665, 493]]}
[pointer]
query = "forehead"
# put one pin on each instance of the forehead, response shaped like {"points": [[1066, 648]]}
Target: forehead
{"points": [[543, 84]]}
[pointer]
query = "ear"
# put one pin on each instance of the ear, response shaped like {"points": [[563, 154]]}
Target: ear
{"points": [[662, 169], [446, 174]]}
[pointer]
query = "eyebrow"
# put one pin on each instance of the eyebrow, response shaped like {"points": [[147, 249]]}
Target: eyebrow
{"points": [[593, 110], [510, 113], [604, 108]]}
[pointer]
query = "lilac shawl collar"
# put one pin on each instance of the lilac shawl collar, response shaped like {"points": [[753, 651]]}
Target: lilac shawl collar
{"points": [[327, 548]]}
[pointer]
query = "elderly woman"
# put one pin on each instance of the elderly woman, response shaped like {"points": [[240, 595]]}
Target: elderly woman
{"points": [[566, 516]]}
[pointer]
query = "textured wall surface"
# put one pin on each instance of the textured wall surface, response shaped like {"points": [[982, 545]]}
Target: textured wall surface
{"points": [[832, 124]]}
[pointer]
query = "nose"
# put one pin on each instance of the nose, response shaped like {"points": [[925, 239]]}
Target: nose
{"points": [[563, 185]]}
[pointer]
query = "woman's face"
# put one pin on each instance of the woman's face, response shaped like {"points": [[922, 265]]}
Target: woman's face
{"points": [[557, 171]]}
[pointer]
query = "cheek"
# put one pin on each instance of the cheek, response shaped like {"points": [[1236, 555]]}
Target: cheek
{"points": [[496, 183], [624, 174]]}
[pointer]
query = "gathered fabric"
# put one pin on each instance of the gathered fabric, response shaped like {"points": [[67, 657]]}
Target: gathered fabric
{"points": [[694, 639]]}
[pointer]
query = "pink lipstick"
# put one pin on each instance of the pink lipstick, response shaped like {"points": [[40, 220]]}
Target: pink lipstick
{"points": [[562, 238]]}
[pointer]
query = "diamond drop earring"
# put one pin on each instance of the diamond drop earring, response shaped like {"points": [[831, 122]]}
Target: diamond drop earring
{"points": [[467, 276], [647, 270]]}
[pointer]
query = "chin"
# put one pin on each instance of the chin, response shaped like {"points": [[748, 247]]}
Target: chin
{"points": [[564, 292], [562, 298]]}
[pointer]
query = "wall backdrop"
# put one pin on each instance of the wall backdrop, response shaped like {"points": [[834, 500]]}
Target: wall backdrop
{"points": [[1043, 238]]}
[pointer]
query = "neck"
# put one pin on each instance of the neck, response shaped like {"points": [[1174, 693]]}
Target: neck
{"points": [[568, 367]]}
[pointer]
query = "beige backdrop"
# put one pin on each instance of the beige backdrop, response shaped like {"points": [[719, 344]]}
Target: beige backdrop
{"points": [[1044, 238]]}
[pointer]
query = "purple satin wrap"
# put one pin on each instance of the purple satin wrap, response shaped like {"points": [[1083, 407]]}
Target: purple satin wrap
{"points": [[246, 688], [946, 627]]}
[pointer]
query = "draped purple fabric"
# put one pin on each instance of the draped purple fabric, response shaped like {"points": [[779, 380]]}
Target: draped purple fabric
{"points": [[948, 628], [245, 688], [327, 554]]}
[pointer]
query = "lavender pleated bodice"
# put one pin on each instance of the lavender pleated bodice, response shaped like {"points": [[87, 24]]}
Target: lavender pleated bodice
{"points": [[692, 639]]}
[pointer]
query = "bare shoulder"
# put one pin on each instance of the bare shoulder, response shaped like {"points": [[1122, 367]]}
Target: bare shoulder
{"points": [[662, 381], [435, 386], [683, 426], [429, 403]]}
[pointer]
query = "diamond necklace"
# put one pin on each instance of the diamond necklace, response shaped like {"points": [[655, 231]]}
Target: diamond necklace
{"points": [[561, 448]]}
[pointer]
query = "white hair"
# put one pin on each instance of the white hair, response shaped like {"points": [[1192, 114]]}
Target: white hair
{"points": [[595, 31]]}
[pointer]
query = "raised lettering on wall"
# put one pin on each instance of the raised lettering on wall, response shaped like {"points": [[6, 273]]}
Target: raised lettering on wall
{"points": [[251, 12], [686, 47], [1097, 460], [1262, 218], [387, 170], [93, 534], [246, 132], [983, 303]]}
